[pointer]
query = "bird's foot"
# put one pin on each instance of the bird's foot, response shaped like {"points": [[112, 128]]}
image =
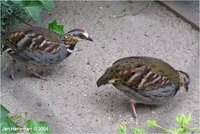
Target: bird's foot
{"points": [[134, 114], [35, 73], [13, 70], [12, 75]]}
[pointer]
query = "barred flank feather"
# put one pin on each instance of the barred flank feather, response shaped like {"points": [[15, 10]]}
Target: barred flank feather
{"points": [[31, 41]]}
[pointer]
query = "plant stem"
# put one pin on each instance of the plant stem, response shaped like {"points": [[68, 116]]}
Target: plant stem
{"points": [[192, 129], [166, 130]]}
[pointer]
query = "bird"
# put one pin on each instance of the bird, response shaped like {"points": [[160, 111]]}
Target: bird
{"points": [[38, 47], [145, 80]]}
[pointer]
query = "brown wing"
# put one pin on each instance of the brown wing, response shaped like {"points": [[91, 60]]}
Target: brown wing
{"points": [[36, 39], [145, 73]]}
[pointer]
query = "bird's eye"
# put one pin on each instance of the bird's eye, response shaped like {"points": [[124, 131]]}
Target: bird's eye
{"points": [[81, 36]]}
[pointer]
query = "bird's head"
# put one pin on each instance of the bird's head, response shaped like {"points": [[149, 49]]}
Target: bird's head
{"points": [[184, 79], [107, 78], [74, 36]]}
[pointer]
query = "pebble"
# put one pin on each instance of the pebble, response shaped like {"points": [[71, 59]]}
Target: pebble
{"points": [[39, 104]]}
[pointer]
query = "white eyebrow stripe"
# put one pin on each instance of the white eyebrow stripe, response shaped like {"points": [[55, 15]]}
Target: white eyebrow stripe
{"points": [[86, 35]]}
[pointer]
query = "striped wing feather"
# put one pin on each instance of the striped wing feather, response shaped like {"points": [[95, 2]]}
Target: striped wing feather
{"points": [[145, 73], [34, 39]]}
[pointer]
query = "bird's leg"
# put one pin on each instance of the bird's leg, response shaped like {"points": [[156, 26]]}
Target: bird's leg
{"points": [[13, 70], [134, 114], [35, 73]]}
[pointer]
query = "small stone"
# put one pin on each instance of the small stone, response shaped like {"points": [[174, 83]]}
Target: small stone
{"points": [[39, 104], [107, 6], [88, 63]]}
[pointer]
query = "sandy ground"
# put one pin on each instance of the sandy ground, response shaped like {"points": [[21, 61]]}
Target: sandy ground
{"points": [[70, 100]]}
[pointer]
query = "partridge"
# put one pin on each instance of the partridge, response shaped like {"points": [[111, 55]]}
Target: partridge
{"points": [[37, 47], [145, 80]]}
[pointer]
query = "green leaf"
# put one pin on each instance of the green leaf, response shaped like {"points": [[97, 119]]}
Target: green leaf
{"points": [[4, 112], [49, 5], [34, 12], [25, 3], [6, 125], [54, 26], [16, 1], [35, 127], [183, 120], [122, 129], [138, 131], [152, 123], [31, 3]]}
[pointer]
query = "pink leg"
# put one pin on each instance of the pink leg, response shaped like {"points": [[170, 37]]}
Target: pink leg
{"points": [[134, 114], [13, 70]]}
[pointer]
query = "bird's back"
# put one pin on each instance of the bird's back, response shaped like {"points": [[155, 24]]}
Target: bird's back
{"points": [[35, 45], [148, 66]]}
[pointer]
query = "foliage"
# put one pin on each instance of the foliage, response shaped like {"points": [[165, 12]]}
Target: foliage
{"points": [[8, 124], [122, 129], [138, 131], [182, 121], [182, 128], [9, 11], [54, 26], [13, 11], [38, 127], [34, 8]]}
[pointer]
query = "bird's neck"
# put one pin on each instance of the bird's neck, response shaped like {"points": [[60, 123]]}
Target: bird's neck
{"points": [[70, 48], [70, 43]]}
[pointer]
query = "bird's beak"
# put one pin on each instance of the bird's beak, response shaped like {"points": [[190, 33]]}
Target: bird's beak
{"points": [[89, 38]]}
